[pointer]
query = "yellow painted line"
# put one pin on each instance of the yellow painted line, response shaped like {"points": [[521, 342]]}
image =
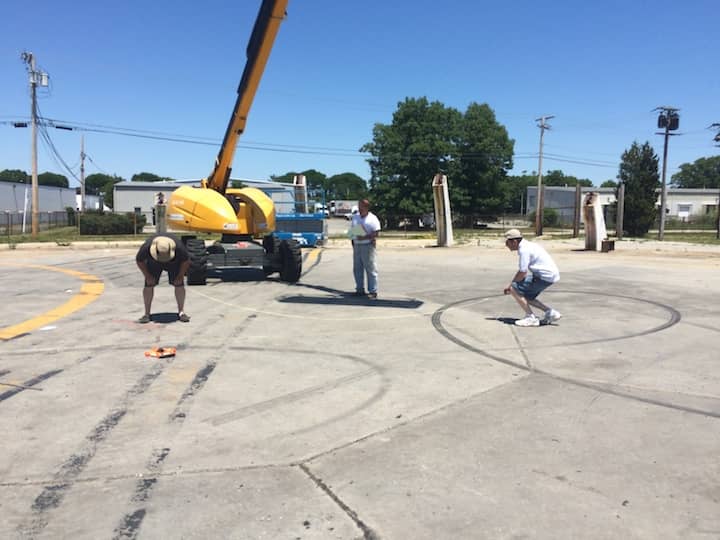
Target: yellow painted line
{"points": [[314, 254], [90, 290]]}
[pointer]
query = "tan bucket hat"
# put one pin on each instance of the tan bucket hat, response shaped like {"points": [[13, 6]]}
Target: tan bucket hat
{"points": [[162, 249]]}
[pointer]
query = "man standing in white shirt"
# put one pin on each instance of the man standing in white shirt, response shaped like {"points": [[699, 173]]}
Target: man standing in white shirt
{"points": [[364, 249], [536, 272]]}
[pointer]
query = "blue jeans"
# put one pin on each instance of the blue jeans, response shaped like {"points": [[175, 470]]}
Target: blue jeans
{"points": [[364, 263]]}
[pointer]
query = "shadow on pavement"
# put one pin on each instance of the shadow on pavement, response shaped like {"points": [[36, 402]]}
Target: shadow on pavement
{"points": [[164, 318], [237, 274], [511, 320], [505, 320], [349, 299]]}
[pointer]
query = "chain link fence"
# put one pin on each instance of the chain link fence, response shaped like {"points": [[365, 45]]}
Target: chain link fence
{"points": [[12, 223]]}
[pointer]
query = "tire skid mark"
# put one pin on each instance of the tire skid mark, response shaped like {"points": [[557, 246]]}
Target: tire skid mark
{"points": [[30, 383], [52, 495], [256, 408], [129, 526], [605, 388], [93, 348], [195, 386], [109, 258], [372, 370]]}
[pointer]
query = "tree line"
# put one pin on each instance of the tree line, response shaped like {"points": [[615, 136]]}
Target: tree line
{"points": [[471, 147], [95, 184]]}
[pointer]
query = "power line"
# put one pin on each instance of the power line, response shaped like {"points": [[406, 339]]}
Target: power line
{"points": [[54, 153], [96, 165], [580, 162], [289, 148], [278, 147]]}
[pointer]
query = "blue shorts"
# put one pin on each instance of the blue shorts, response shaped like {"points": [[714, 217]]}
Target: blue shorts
{"points": [[531, 287]]}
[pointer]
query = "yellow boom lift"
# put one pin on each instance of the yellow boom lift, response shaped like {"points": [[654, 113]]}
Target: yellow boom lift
{"points": [[245, 217]]}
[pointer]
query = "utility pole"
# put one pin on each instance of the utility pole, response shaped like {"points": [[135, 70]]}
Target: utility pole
{"points": [[82, 174], [540, 194], [670, 120], [36, 78], [716, 125]]}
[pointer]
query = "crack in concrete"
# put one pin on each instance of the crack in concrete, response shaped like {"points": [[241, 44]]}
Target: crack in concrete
{"points": [[368, 533]]}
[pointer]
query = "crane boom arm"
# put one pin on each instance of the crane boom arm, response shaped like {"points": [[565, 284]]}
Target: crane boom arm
{"points": [[271, 14]]}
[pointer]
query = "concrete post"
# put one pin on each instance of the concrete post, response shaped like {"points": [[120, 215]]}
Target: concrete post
{"points": [[595, 231], [443, 215], [160, 218], [619, 225], [301, 201]]}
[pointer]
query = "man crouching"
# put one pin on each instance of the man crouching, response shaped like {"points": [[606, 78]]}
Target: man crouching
{"points": [[163, 252], [536, 272]]}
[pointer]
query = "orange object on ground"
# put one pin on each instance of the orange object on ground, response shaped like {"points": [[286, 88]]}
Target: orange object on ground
{"points": [[161, 352]]}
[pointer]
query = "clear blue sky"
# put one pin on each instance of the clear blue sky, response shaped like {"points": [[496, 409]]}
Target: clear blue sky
{"points": [[171, 68]]}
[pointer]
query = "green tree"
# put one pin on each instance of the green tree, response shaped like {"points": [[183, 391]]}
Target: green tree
{"points": [[108, 193], [701, 173], [558, 178], [609, 183], [52, 179], [426, 138], [639, 173], [14, 175], [316, 182], [102, 184], [150, 177], [95, 183], [287, 178], [407, 154], [514, 189], [484, 156], [551, 217], [346, 186]]}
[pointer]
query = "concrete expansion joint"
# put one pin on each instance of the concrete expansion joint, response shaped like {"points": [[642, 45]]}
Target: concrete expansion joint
{"points": [[368, 533]]}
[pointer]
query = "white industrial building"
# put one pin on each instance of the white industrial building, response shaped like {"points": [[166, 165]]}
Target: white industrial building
{"points": [[16, 197], [680, 203]]}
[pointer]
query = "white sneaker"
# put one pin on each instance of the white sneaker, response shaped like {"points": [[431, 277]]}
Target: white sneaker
{"points": [[552, 316], [529, 320]]}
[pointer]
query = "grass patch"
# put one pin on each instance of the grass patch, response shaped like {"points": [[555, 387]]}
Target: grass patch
{"points": [[704, 237], [66, 236]]}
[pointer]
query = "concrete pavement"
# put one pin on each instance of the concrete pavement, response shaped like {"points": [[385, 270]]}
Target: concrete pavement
{"points": [[298, 411]]}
